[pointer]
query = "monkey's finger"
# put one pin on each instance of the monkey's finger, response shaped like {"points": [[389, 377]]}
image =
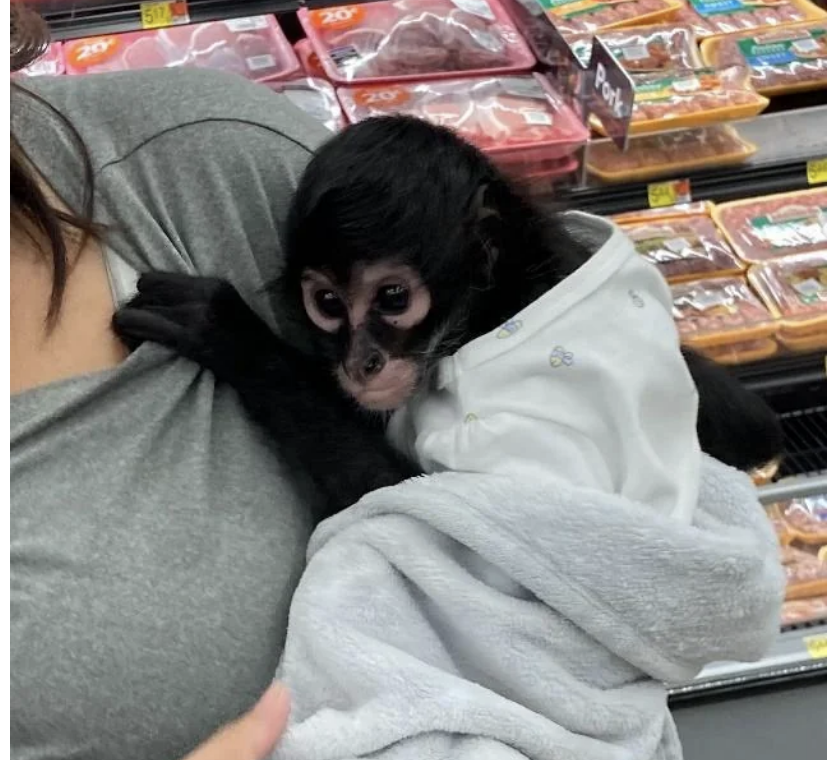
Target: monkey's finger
{"points": [[135, 326], [173, 287]]}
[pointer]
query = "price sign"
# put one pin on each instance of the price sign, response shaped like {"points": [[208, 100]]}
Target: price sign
{"points": [[610, 93], [159, 15], [816, 646], [816, 171], [660, 194]]}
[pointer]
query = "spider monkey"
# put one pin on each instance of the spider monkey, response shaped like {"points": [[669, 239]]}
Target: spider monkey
{"points": [[403, 243]]}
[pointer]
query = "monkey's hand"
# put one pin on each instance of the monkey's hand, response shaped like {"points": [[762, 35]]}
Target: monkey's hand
{"points": [[202, 318]]}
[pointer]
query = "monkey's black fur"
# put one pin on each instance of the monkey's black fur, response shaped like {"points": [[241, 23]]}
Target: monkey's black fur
{"points": [[396, 189]]}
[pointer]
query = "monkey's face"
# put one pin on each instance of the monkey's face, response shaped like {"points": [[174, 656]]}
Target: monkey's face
{"points": [[376, 325]]}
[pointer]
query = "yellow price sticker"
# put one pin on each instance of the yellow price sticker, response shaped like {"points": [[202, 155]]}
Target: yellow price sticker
{"points": [[816, 171], [817, 646], [660, 194], [159, 15]]}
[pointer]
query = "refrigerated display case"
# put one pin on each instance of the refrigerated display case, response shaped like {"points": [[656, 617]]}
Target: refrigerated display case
{"points": [[734, 159]]}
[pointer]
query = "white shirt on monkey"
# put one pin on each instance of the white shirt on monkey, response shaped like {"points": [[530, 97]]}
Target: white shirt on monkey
{"points": [[585, 385]]}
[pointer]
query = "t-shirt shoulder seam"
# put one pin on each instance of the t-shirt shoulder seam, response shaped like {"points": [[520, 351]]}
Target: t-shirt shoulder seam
{"points": [[195, 122]]}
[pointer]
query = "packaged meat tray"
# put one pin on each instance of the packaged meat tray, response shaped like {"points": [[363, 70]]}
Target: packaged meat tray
{"points": [[803, 519], [797, 611], [775, 225], [794, 289], [662, 213], [709, 17], [577, 16], [692, 98], [316, 97], [782, 60], [517, 118], [719, 312], [742, 352], [684, 248], [308, 59], [662, 47], [805, 573], [538, 179], [408, 40], [254, 47], [51, 63], [657, 155]]}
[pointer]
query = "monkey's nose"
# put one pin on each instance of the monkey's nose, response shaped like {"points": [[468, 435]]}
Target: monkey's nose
{"points": [[373, 364]]}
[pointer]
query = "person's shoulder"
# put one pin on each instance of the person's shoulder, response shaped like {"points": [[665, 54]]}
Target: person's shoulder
{"points": [[115, 113]]}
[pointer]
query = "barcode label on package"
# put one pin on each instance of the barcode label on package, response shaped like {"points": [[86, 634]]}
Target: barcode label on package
{"points": [[256, 62], [246, 24]]}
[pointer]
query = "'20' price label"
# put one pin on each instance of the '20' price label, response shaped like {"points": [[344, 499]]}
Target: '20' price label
{"points": [[341, 17], [86, 53], [380, 97]]}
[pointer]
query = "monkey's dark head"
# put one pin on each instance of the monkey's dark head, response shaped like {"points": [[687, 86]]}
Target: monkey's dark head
{"points": [[394, 236]]}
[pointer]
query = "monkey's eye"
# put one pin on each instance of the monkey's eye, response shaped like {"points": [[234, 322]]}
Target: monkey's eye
{"points": [[392, 299], [329, 304]]}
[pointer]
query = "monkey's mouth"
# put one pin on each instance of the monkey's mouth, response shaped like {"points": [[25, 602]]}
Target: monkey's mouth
{"points": [[386, 391]]}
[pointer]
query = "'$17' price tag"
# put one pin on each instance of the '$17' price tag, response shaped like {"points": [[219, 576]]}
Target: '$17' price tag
{"points": [[159, 15], [660, 194]]}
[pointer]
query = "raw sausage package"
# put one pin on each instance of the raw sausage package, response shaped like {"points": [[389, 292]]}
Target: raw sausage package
{"points": [[775, 225], [804, 572], [663, 47], [656, 155], [802, 520], [315, 97], [254, 47], [709, 17], [693, 98], [794, 289], [578, 16], [797, 611], [662, 213], [414, 40], [51, 63], [684, 248], [514, 119], [723, 314], [782, 59]]}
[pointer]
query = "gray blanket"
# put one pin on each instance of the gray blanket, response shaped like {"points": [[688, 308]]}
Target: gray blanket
{"points": [[472, 616]]}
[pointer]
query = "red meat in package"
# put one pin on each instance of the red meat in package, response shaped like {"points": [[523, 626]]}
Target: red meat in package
{"points": [[51, 63], [515, 118], [415, 39], [254, 47]]}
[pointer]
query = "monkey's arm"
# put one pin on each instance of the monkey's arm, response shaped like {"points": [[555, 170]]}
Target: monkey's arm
{"points": [[317, 430], [734, 425]]}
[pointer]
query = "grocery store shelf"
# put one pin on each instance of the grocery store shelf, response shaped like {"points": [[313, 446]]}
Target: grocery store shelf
{"points": [[782, 371], [797, 654], [779, 165], [793, 488], [81, 18]]}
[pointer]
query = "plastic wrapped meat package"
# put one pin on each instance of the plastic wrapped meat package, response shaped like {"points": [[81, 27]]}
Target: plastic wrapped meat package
{"points": [[661, 213], [696, 97], [804, 572], [309, 60], [51, 63], [415, 40], [794, 289], [517, 119], [254, 47], [577, 16], [798, 611], [709, 17], [723, 319], [649, 156], [662, 47], [684, 248], [775, 225], [315, 97], [781, 60], [802, 519]]}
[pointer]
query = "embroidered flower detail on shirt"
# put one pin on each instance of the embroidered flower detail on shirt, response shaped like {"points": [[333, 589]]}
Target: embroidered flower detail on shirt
{"points": [[560, 357], [637, 300], [509, 328], [470, 417]]}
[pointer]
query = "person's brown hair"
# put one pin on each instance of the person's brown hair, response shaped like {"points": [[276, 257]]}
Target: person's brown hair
{"points": [[31, 210]]}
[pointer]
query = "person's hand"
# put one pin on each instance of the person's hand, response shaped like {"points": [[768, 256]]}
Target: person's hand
{"points": [[252, 736]]}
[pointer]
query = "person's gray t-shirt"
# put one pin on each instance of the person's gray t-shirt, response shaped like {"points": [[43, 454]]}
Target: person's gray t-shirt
{"points": [[155, 538]]}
